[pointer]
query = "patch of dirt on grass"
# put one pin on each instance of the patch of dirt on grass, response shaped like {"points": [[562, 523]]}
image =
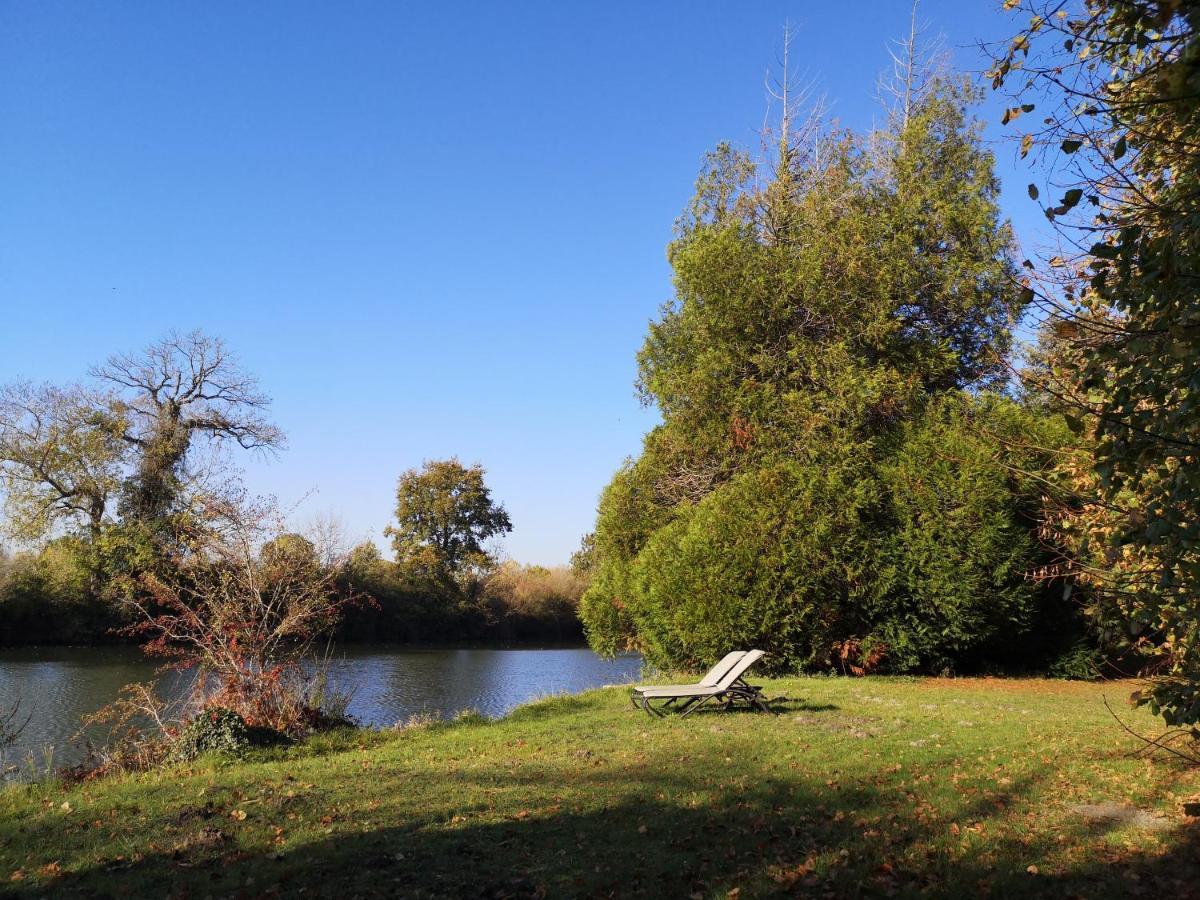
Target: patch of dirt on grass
{"points": [[192, 813], [199, 843], [855, 726], [1118, 814]]}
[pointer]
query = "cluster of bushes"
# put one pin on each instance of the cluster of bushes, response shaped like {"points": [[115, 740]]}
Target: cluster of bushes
{"points": [[526, 602], [244, 607], [915, 556], [144, 734]]}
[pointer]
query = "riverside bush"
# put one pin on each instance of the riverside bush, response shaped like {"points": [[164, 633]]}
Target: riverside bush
{"points": [[215, 730], [220, 730], [911, 555], [777, 556]]}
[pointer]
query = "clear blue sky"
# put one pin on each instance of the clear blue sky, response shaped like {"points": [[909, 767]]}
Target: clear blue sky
{"points": [[430, 229]]}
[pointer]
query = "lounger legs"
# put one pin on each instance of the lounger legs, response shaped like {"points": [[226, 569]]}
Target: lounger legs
{"points": [[748, 694], [641, 702], [693, 706]]}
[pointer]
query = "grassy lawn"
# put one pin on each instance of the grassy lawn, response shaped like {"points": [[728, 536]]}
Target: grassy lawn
{"points": [[857, 787]]}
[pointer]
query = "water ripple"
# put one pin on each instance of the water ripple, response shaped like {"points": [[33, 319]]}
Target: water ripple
{"points": [[60, 685]]}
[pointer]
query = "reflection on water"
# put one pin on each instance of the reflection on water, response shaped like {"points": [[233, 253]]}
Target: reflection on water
{"points": [[60, 685]]}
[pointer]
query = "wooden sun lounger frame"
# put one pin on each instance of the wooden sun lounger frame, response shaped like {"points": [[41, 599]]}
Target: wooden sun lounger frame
{"points": [[725, 684]]}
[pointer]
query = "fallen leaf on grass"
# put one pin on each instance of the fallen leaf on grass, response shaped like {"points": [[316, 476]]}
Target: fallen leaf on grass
{"points": [[239, 814], [789, 877]]}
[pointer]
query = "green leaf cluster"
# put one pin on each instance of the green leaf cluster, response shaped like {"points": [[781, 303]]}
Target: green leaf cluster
{"points": [[1126, 110]]}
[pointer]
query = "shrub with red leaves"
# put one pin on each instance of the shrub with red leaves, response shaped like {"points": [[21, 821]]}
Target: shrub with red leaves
{"points": [[244, 603]]}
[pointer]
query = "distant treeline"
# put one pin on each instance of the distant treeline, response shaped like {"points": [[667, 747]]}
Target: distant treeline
{"points": [[512, 603], [53, 596]]}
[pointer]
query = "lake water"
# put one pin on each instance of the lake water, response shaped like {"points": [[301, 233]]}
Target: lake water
{"points": [[60, 685]]}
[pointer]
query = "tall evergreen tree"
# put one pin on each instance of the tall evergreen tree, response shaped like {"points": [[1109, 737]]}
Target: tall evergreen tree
{"points": [[946, 258], [824, 296]]}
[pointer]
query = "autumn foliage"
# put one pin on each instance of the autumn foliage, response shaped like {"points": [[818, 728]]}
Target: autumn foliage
{"points": [[244, 605]]}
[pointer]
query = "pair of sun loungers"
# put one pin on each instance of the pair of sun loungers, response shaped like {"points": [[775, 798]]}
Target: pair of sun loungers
{"points": [[723, 683]]}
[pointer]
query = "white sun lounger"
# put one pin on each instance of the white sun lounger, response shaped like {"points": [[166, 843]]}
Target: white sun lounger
{"points": [[715, 674], [723, 683]]}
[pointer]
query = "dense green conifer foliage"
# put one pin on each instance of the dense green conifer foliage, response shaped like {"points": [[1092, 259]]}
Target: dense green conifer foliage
{"points": [[827, 483]]}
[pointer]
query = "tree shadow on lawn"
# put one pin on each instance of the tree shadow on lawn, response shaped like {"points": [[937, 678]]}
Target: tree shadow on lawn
{"points": [[782, 705], [551, 705], [768, 837], [777, 706]]}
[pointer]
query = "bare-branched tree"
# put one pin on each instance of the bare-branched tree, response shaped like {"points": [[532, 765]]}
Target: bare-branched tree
{"points": [[918, 59], [327, 532], [12, 724], [176, 390], [793, 138]]}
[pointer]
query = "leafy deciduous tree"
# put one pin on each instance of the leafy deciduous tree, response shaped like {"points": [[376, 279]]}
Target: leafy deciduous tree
{"points": [[1111, 88], [444, 517], [61, 456]]}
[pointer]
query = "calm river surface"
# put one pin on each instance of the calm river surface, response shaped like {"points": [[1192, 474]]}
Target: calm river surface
{"points": [[60, 685]]}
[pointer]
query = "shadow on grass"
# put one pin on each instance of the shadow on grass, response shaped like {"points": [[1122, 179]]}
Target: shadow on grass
{"points": [[552, 705], [782, 705], [775, 705], [770, 837], [714, 713]]}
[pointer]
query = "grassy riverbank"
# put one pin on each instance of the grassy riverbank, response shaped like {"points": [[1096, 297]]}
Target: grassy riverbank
{"points": [[872, 786]]}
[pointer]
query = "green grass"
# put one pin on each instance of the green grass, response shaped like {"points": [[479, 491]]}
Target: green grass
{"points": [[856, 787]]}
